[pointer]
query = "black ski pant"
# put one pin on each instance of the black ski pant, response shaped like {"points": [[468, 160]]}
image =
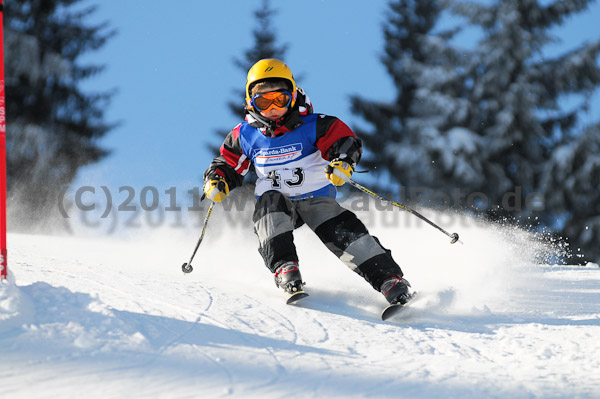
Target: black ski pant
{"points": [[276, 217]]}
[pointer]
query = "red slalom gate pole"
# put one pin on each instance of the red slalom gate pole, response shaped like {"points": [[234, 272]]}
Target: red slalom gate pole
{"points": [[3, 252]]}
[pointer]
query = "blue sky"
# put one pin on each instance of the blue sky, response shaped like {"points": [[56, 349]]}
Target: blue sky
{"points": [[172, 66]]}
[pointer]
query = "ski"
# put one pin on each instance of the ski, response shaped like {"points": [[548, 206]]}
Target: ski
{"points": [[296, 296], [396, 308]]}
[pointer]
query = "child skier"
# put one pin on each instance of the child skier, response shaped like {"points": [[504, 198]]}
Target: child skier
{"points": [[299, 157]]}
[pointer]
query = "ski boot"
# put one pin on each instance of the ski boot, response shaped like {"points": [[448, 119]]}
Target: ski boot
{"points": [[288, 278], [395, 289]]}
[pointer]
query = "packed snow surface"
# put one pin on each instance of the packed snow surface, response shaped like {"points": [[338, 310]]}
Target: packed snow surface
{"points": [[114, 317]]}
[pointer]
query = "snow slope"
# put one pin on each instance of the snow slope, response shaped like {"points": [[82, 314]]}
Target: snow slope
{"points": [[114, 317]]}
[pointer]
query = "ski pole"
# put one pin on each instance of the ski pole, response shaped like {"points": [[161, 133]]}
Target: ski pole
{"points": [[453, 236], [187, 267]]}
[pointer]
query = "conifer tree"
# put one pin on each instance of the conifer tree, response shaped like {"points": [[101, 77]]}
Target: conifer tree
{"points": [[515, 98], [491, 121], [53, 127], [406, 135], [571, 182], [264, 47], [535, 143]]}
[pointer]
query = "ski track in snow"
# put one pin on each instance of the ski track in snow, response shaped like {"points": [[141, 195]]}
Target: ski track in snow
{"points": [[114, 317]]}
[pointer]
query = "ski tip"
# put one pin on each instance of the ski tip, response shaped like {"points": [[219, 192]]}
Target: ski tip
{"points": [[396, 308], [391, 310], [296, 296]]}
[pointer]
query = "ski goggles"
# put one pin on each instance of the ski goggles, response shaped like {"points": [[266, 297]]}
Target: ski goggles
{"points": [[279, 99]]}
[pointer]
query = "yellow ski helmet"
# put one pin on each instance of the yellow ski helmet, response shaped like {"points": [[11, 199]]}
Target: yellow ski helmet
{"points": [[267, 69]]}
